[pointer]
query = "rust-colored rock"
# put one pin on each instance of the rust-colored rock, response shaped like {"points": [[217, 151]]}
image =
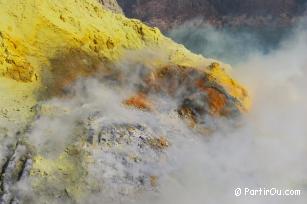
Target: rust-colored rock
{"points": [[139, 101], [159, 143]]}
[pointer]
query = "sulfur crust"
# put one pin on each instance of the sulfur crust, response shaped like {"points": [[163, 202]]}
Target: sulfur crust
{"points": [[65, 173], [33, 32]]}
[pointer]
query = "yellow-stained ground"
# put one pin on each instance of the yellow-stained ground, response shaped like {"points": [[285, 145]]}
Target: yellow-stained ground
{"points": [[34, 33]]}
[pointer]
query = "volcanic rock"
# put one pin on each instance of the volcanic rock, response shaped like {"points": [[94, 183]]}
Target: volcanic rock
{"points": [[49, 52], [166, 14]]}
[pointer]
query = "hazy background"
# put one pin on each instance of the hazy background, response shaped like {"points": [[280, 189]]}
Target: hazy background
{"points": [[231, 45]]}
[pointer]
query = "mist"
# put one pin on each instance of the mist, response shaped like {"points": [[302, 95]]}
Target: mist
{"points": [[229, 44], [266, 147], [269, 147]]}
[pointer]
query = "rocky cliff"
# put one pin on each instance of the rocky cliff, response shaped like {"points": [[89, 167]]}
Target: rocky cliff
{"points": [[166, 14], [69, 70], [111, 5]]}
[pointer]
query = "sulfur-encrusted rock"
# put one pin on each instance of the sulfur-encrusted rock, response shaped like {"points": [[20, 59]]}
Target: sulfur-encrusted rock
{"points": [[35, 37], [46, 46]]}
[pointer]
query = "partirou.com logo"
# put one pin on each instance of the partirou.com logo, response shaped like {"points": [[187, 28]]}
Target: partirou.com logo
{"points": [[266, 192]]}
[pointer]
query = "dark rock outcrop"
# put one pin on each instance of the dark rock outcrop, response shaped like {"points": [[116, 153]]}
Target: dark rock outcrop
{"points": [[166, 14], [111, 5], [15, 167]]}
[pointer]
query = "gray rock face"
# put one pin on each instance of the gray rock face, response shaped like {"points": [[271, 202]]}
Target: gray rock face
{"points": [[127, 158], [15, 167], [112, 5], [166, 14]]}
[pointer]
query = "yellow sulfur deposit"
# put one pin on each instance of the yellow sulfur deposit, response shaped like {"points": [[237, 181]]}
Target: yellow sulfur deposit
{"points": [[35, 33], [52, 42], [65, 173]]}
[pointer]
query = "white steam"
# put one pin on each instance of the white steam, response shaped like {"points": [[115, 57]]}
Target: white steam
{"points": [[268, 149]]}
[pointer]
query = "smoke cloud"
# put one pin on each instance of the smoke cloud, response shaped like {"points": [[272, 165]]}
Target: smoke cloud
{"points": [[228, 44], [269, 147], [266, 148]]}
